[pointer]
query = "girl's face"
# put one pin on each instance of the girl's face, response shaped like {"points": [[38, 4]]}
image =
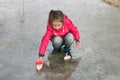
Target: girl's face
{"points": [[56, 24]]}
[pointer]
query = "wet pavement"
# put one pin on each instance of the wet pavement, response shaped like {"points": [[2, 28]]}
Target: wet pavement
{"points": [[23, 23]]}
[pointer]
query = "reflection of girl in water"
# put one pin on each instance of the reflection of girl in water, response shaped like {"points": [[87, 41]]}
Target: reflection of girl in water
{"points": [[61, 32]]}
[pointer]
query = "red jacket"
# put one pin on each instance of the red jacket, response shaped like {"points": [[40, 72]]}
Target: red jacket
{"points": [[67, 27]]}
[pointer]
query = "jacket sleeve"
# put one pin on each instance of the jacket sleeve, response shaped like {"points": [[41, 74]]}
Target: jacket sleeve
{"points": [[45, 40], [74, 30]]}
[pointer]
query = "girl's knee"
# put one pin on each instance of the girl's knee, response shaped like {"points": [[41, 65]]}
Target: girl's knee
{"points": [[69, 38], [57, 40]]}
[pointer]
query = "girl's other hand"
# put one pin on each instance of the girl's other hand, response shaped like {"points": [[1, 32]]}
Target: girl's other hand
{"points": [[78, 45]]}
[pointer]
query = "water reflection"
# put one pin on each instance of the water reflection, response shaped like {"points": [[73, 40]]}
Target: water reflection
{"points": [[59, 69]]}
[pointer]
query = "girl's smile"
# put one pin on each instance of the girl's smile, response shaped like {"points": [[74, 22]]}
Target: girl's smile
{"points": [[56, 24]]}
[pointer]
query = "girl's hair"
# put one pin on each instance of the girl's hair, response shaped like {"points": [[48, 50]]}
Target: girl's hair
{"points": [[56, 15]]}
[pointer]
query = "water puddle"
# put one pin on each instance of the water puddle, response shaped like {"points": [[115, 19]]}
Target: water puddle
{"points": [[59, 69]]}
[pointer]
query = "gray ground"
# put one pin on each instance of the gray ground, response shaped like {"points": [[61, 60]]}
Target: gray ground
{"points": [[23, 24]]}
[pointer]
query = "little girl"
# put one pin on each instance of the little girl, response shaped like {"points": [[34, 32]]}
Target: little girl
{"points": [[61, 32]]}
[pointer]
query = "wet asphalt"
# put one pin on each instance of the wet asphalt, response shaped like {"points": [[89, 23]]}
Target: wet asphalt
{"points": [[22, 25]]}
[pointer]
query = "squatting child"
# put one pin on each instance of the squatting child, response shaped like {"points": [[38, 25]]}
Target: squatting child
{"points": [[61, 32]]}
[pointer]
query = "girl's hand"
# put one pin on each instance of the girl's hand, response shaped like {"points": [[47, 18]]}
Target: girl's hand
{"points": [[78, 45]]}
